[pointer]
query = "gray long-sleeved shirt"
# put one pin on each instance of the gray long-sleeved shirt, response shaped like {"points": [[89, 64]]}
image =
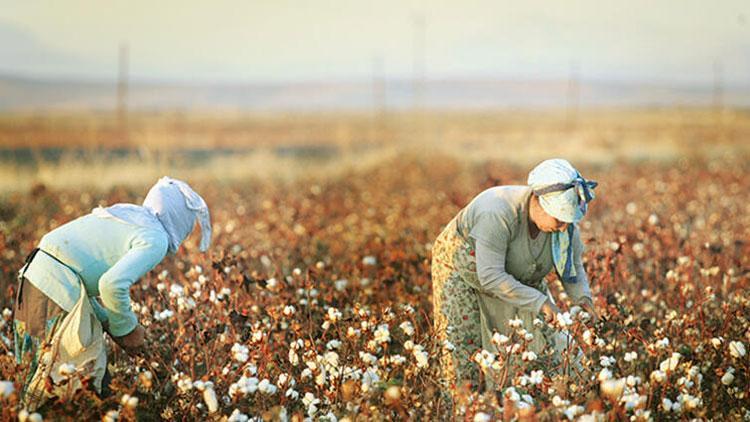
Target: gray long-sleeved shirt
{"points": [[496, 221]]}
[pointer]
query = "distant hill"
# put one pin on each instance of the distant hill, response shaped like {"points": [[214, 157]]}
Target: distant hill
{"points": [[24, 94]]}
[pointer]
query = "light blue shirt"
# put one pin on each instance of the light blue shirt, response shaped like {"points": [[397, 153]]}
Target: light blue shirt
{"points": [[109, 255]]}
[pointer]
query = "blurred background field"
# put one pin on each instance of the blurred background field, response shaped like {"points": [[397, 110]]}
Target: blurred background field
{"points": [[74, 149]]}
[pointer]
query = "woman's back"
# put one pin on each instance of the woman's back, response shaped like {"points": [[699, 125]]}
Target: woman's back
{"points": [[94, 248]]}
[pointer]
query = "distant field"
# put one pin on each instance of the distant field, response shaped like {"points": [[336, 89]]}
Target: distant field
{"points": [[76, 149]]}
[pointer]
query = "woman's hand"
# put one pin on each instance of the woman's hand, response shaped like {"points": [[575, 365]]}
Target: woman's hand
{"points": [[587, 304], [134, 342], [550, 311]]}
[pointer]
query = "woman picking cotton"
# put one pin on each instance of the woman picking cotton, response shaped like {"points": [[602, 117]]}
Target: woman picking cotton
{"points": [[489, 265], [58, 322]]}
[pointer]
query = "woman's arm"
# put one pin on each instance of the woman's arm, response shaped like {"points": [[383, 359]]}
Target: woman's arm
{"points": [[114, 284], [492, 235]]}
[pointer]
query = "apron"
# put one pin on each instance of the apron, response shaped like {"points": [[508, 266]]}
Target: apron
{"points": [[46, 337]]}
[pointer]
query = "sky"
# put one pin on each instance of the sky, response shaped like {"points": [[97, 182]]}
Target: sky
{"points": [[262, 41]]}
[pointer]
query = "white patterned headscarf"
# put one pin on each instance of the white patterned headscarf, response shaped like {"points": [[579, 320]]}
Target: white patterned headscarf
{"points": [[171, 205], [564, 194], [178, 206]]}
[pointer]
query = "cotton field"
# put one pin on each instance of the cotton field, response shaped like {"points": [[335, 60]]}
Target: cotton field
{"points": [[314, 302]]}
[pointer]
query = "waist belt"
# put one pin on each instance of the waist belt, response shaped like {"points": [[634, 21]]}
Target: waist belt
{"points": [[29, 258]]}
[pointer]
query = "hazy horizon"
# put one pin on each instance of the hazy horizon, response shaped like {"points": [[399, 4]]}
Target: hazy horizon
{"points": [[685, 43]]}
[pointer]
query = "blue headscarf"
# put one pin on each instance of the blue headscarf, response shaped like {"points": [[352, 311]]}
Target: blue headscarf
{"points": [[564, 194]]}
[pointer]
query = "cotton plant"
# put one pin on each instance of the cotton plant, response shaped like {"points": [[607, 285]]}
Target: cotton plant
{"points": [[250, 317]]}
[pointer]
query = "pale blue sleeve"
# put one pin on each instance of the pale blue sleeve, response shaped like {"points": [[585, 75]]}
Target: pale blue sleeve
{"points": [[114, 285]]}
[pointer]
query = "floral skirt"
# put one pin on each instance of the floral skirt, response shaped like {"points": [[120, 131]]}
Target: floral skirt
{"points": [[456, 308]]}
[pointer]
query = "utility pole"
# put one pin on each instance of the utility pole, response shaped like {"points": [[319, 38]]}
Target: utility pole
{"points": [[718, 94], [718, 99], [378, 99], [573, 95], [122, 93], [418, 73]]}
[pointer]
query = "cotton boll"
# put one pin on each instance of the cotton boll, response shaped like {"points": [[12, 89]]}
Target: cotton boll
{"points": [[6, 388], [612, 389], [691, 402], [333, 315], [340, 285], [606, 361], [184, 384], [283, 379], [292, 394], [237, 416], [528, 356], [421, 357], [111, 416], [671, 363], [129, 401], [630, 356], [407, 328], [209, 397], [604, 374], [536, 377], [267, 387], [392, 394], [369, 260], [632, 381], [658, 376], [573, 411], [382, 335], [728, 378], [511, 394], [66, 369], [245, 385], [240, 353], [737, 349], [666, 404], [482, 417], [311, 402], [633, 401], [563, 320], [499, 339], [558, 402]]}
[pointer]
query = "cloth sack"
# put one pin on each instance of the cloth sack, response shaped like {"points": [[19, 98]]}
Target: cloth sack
{"points": [[77, 343]]}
